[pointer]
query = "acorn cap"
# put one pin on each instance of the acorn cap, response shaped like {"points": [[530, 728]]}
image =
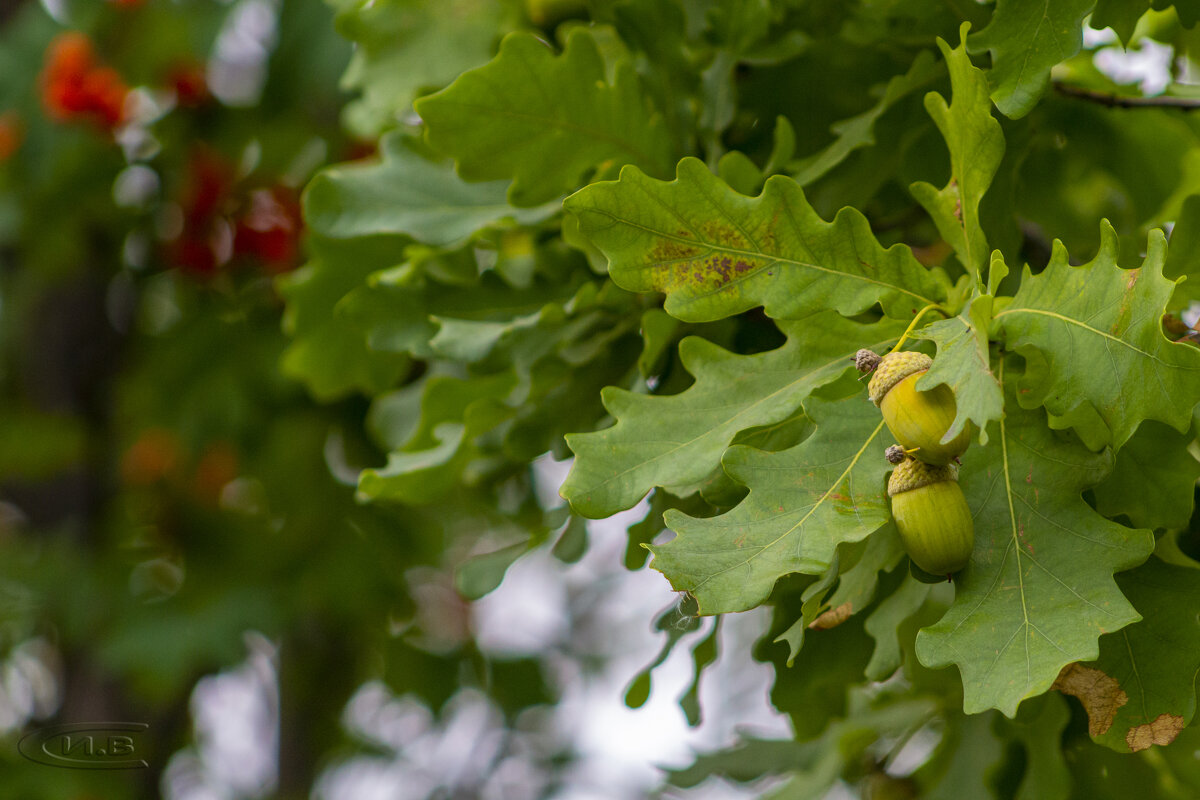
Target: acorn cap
{"points": [[866, 360], [893, 368], [913, 474]]}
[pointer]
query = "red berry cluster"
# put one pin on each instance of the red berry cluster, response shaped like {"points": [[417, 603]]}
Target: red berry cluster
{"points": [[76, 86], [223, 222]]}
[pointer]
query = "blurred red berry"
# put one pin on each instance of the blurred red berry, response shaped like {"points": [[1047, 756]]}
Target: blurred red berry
{"points": [[11, 134], [269, 230], [208, 187], [75, 86], [218, 465], [151, 458], [188, 80], [206, 198]]}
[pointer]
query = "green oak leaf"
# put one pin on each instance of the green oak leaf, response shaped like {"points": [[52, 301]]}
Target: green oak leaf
{"points": [[1123, 15], [1039, 591], [481, 574], [1026, 38], [739, 24], [812, 605], [454, 412], [716, 253], [1154, 479], [328, 352], [1098, 773], [703, 654], [859, 131], [408, 194], [676, 621], [783, 146], [658, 333], [1181, 759], [884, 625], [1093, 335], [967, 758], [544, 134], [1183, 254], [976, 146], [1039, 728], [1141, 691], [815, 690], [747, 760], [405, 46], [803, 503], [849, 742], [857, 571], [418, 316], [858, 581], [813, 766], [740, 172], [645, 530], [964, 364], [676, 441], [1120, 15], [1188, 11]]}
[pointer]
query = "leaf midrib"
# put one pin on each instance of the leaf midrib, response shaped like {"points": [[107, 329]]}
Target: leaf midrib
{"points": [[756, 403], [1098, 332], [800, 524], [773, 259]]}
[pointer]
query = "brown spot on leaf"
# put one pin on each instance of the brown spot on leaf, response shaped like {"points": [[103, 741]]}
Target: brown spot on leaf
{"points": [[1101, 695], [727, 235], [667, 250], [1162, 731], [832, 618], [1122, 321], [681, 265]]}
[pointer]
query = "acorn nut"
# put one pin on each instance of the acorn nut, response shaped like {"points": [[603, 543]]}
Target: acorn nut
{"points": [[918, 419], [932, 516]]}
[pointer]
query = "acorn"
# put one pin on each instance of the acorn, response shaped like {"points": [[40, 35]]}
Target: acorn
{"points": [[932, 515], [918, 419]]}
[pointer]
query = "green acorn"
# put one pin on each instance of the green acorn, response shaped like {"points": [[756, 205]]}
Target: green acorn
{"points": [[932, 515], [918, 419]]}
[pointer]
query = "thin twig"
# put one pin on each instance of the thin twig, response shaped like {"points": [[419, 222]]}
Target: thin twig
{"points": [[1127, 101]]}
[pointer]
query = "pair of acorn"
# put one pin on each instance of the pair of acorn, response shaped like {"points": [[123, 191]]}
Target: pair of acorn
{"points": [[928, 506]]}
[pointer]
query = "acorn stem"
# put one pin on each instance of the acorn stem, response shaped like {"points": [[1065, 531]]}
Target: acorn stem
{"points": [[913, 324]]}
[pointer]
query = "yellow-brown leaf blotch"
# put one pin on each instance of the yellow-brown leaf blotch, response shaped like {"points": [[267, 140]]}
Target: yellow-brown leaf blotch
{"points": [[832, 618], [1162, 731], [1101, 695]]}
